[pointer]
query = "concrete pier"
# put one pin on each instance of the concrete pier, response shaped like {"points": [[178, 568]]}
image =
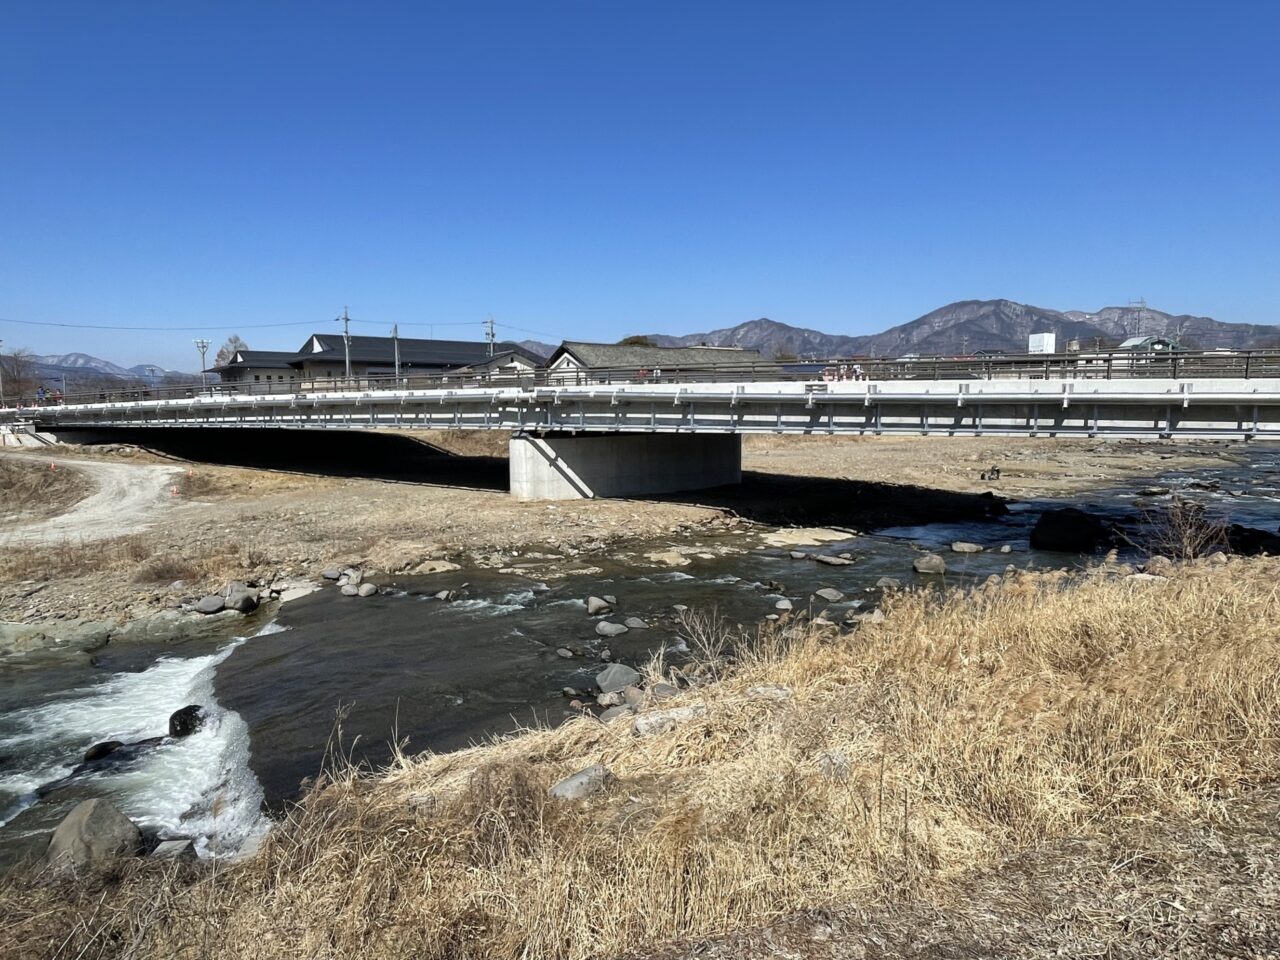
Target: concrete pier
{"points": [[572, 467]]}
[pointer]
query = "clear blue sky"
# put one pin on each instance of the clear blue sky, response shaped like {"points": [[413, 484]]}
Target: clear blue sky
{"points": [[589, 170]]}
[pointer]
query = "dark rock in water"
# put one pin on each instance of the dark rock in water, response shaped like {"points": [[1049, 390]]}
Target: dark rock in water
{"points": [[1070, 530], [95, 830], [1248, 541], [100, 750], [186, 721]]}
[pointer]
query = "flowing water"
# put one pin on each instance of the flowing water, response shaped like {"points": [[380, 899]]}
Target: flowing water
{"points": [[351, 677]]}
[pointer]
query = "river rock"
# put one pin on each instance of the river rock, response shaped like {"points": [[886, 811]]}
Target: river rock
{"points": [[889, 583], [797, 555], [95, 830], [1069, 530], [348, 590], [366, 589], [584, 783], [436, 566], [610, 600], [660, 721], [929, 563], [174, 850], [606, 629], [679, 607], [635, 623], [663, 691], [633, 697], [240, 598], [210, 604], [668, 558], [569, 691], [784, 605], [616, 677], [1005, 548], [614, 698], [564, 652], [831, 561], [1153, 491], [829, 594], [184, 722], [331, 573], [805, 537], [100, 750], [964, 546], [606, 654], [354, 577], [613, 713], [597, 606]]}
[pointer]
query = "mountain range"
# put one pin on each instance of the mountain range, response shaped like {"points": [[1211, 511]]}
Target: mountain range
{"points": [[968, 326], [960, 328], [81, 365]]}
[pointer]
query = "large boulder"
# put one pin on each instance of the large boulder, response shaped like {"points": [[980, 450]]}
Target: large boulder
{"points": [[241, 598], [616, 677], [94, 831], [608, 629], [1248, 541], [210, 604], [185, 722], [1070, 530], [597, 606]]}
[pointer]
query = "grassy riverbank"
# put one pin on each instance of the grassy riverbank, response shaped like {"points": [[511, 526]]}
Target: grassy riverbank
{"points": [[1039, 712], [32, 491]]}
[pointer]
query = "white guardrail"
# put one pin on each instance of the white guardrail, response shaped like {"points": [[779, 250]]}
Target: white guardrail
{"points": [[1232, 408]]}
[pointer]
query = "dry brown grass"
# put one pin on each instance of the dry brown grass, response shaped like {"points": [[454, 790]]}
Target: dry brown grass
{"points": [[31, 490], [73, 558], [962, 730]]}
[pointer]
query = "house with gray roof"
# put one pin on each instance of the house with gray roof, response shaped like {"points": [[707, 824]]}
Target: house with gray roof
{"points": [[578, 362], [323, 358]]}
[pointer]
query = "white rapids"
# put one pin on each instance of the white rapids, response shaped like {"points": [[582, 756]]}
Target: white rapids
{"points": [[200, 786]]}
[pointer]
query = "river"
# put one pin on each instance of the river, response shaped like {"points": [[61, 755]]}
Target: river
{"points": [[333, 673]]}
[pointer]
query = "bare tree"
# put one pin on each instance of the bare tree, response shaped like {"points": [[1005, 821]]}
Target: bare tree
{"points": [[20, 378], [228, 350]]}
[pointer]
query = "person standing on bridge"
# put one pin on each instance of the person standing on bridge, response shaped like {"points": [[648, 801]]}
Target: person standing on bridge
{"points": [[40, 395]]}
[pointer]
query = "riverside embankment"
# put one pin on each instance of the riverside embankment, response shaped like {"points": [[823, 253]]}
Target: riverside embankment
{"points": [[512, 633], [1016, 770]]}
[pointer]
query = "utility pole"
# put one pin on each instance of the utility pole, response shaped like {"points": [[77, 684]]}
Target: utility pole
{"points": [[203, 346], [395, 342], [1, 374], [346, 340], [488, 333]]}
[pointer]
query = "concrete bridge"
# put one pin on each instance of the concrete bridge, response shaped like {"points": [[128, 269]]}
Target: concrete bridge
{"points": [[635, 438]]}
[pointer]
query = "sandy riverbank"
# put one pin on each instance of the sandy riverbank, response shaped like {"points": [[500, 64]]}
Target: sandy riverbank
{"points": [[218, 523]]}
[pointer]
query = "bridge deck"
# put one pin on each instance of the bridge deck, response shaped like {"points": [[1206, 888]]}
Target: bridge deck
{"points": [[1234, 408]]}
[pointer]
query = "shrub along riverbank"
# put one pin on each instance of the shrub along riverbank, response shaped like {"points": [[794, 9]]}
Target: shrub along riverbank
{"points": [[825, 770]]}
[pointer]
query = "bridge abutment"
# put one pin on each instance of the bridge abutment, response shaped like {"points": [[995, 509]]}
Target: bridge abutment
{"points": [[584, 466]]}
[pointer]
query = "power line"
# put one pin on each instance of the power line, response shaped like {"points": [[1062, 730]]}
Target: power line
{"points": [[95, 326]]}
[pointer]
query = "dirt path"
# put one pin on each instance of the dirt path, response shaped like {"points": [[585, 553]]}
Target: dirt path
{"points": [[129, 498]]}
